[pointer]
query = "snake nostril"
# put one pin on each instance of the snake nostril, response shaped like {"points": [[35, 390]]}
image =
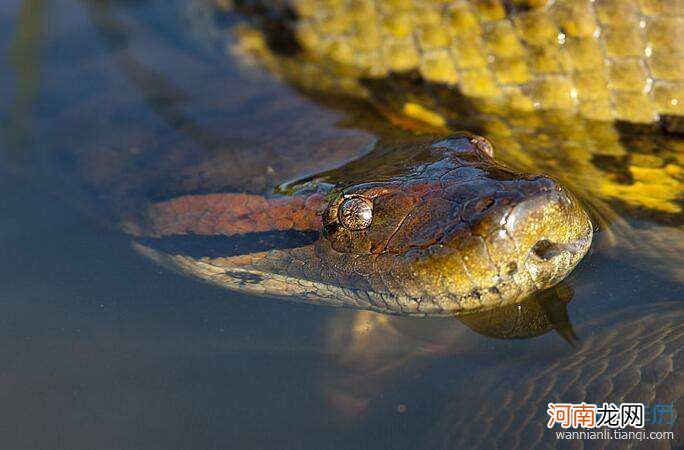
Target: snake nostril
{"points": [[546, 249]]}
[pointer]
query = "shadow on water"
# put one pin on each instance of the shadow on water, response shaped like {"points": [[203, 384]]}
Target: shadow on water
{"points": [[160, 95]]}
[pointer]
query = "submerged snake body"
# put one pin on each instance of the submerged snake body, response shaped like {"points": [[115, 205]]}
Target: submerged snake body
{"points": [[637, 360]]}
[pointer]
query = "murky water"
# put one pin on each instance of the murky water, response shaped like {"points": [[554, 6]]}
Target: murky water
{"points": [[106, 104]]}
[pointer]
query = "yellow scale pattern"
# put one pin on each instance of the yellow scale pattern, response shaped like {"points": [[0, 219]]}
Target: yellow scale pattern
{"points": [[606, 59]]}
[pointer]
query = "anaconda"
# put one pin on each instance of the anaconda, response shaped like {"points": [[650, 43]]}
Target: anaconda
{"points": [[446, 256], [124, 160], [616, 159], [437, 228]]}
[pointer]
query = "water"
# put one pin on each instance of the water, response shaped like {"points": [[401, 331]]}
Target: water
{"points": [[105, 349]]}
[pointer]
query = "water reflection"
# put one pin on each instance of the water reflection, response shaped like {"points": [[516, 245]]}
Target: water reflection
{"points": [[373, 352]]}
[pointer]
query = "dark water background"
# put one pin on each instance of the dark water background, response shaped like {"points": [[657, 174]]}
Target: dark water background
{"points": [[103, 349]]}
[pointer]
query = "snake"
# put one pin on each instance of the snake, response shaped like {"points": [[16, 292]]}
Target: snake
{"points": [[437, 226], [613, 141], [418, 219], [398, 261], [587, 99]]}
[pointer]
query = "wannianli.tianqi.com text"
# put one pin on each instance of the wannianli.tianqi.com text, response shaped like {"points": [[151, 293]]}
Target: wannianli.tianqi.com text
{"points": [[607, 434]]}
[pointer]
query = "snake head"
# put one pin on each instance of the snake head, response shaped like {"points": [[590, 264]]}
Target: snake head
{"points": [[453, 232]]}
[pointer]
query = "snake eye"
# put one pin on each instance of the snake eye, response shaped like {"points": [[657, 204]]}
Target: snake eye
{"points": [[483, 145], [355, 213]]}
